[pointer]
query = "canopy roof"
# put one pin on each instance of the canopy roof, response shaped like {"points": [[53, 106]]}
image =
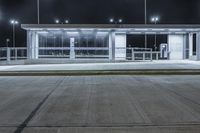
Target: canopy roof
{"points": [[126, 28]]}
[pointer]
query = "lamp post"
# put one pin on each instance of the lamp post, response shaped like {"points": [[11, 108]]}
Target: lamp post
{"points": [[112, 20], [7, 42], [14, 22], [155, 20], [145, 20], [38, 11]]}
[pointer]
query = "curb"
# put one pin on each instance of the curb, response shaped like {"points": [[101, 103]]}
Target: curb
{"points": [[97, 72]]}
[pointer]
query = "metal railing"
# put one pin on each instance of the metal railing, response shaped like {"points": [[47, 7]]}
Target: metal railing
{"points": [[132, 54], [13, 53], [144, 54], [80, 52]]}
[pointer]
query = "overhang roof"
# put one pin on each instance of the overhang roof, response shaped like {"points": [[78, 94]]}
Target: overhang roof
{"points": [[118, 27]]}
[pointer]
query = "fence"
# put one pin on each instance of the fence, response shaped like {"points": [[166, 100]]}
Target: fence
{"points": [[82, 52], [13, 53]]}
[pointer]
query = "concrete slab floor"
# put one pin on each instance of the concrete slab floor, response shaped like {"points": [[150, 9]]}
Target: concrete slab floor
{"points": [[100, 104], [7, 130]]}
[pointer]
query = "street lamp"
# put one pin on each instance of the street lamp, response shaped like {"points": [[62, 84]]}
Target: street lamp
{"points": [[112, 20], [57, 21], [145, 20], [7, 42], [67, 21], [14, 22], [38, 11], [155, 21]]}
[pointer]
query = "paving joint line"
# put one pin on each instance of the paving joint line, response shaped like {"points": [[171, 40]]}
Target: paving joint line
{"points": [[24, 124]]}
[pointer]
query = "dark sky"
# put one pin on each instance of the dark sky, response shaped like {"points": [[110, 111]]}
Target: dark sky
{"points": [[94, 11]]}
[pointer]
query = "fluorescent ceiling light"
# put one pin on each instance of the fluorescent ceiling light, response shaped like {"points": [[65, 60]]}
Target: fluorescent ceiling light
{"points": [[135, 32], [192, 29], [180, 32], [72, 33], [175, 29], [141, 29], [165, 33], [150, 32], [158, 29], [87, 29]]}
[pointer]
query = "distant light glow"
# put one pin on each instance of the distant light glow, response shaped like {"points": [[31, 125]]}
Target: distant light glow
{"points": [[120, 20], [57, 21], [155, 19], [111, 20], [67, 21], [14, 21]]}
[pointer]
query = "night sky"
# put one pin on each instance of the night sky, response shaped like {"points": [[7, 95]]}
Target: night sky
{"points": [[94, 11]]}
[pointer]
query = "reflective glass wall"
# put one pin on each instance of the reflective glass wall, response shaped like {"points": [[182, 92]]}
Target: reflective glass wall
{"points": [[88, 44]]}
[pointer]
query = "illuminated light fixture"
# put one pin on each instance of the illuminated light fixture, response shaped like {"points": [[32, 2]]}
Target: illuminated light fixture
{"points": [[102, 33], [150, 32], [141, 29], [104, 29], [14, 22], [70, 29], [120, 33], [43, 32], [120, 20], [57, 21], [99, 32], [111, 20], [158, 29], [155, 19], [180, 32], [175, 29], [87, 29], [70, 33], [135, 32], [165, 33], [67, 21], [192, 29], [53, 29]]}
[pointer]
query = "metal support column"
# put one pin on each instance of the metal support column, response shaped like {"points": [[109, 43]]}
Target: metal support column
{"points": [[133, 54], [8, 55]]}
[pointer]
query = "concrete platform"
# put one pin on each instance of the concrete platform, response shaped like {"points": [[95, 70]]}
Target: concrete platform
{"points": [[100, 104], [123, 68]]}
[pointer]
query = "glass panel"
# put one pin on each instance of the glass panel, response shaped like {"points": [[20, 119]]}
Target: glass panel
{"points": [[56, 44]]}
